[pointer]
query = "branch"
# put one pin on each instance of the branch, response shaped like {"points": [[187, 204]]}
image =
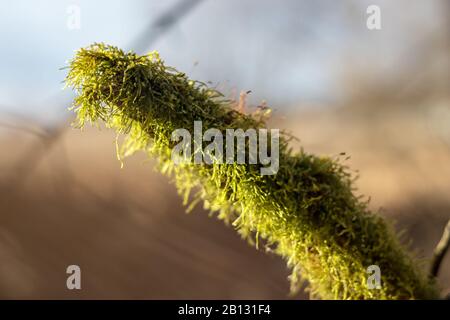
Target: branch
{"points": [[439, 251], [306, 212]]}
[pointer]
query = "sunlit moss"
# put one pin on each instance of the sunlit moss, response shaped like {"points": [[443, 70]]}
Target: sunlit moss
{"points": [[306, 213]]}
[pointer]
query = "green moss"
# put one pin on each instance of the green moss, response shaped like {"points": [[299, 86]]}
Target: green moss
{"points": [[306, 213]]}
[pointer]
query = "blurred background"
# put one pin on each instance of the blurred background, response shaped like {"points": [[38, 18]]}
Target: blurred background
{"points": [[380, 96]]}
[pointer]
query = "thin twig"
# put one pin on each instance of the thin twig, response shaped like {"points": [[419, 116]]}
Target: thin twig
{"points": [[162, 24], [439, 251], [38, 133]]}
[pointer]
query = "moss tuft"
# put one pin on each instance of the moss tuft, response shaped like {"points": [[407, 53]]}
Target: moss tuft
{"points": [[306, 213]]}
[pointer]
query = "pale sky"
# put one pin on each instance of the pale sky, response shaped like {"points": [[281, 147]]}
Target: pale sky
{"points": [[286, 52]]}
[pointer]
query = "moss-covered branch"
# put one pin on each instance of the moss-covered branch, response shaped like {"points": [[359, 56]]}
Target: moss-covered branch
{"points": [[306, 213]]}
